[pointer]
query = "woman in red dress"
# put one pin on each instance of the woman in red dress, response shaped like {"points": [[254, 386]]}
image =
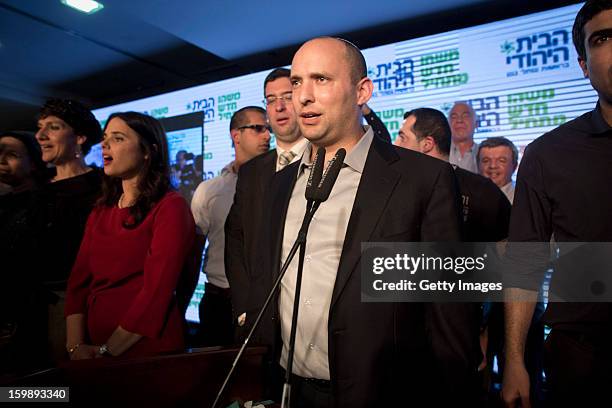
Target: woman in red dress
{"points": [[121, 291]]}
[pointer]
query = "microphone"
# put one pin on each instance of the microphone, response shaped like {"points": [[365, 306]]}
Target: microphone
{"points": [[315, 175], [330, 176], [318, 189]]}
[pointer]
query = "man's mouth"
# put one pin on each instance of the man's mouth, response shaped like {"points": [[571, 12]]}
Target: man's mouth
{"points": [[282, 121], [310, 118]]}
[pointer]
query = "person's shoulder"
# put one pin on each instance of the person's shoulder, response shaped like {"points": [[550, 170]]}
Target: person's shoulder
{"points": [[95, 175], [474, 178], [413, 159], [99, 211], [567, 131], [90, 180], [260, 159], [172, 199], [172, 196], [477, 182], [258, 163], [212, 187]]}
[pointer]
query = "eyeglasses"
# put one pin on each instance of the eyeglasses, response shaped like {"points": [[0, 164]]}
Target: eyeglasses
{"points": [[272, 99], [256, 128]]}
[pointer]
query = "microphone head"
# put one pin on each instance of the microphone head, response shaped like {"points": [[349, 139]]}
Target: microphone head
{"points": [[315, 175], [330, 175]]}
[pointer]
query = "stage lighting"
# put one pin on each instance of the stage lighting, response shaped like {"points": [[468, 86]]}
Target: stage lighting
{"points": [[84, 6]]}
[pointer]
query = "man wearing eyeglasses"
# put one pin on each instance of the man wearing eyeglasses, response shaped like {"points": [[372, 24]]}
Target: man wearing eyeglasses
{"points": [[242, 227], [210, 205]]}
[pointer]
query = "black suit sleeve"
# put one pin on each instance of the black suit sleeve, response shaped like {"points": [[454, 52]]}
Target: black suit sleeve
{"points": [[235, 256], [453, 328]]}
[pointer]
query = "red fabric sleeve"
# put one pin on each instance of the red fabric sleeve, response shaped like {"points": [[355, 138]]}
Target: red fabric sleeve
{"points": [[80, 276], [172, 239]]}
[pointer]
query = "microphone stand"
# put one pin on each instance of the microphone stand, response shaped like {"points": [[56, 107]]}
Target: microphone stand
{"points": [[286, 396], [318, 189], [300, 243]]}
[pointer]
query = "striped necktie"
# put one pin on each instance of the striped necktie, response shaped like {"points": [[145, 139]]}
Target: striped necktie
{"points": [[285, 158]]}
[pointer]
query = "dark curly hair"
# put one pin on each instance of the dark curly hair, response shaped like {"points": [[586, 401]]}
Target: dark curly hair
{"points": [[154, 182], [75, 114]]}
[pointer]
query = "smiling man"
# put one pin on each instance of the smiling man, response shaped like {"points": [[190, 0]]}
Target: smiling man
{"points": [[563, 188], [497, 159], [210, 205], [350, 353]]}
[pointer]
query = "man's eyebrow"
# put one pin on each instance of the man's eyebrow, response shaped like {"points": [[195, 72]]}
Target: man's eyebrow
{"points": [[604, 31], [320, 74]]}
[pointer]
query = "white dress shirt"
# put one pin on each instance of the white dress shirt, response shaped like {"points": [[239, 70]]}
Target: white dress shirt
{"points": [[210, 206], [322, 256]]}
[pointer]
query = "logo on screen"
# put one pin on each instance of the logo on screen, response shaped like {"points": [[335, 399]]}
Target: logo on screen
{"points": [[537, 52], [393, 78], [207, 105]]}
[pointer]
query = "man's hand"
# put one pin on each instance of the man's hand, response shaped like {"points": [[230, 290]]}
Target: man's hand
{"points": [[515, 387]]}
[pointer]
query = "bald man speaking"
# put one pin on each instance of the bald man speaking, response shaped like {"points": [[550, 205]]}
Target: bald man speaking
{"points": [[349, 353]]}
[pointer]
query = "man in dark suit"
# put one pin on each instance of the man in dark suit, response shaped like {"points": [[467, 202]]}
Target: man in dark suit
{"points": [[242, 228], [347, 352], [486, 210]]}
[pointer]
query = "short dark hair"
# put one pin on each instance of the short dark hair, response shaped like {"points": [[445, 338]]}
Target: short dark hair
{"points": [[77, 116], [432, 122], [155, 180], [590, 9], [275, 74], [356, 60], [239, 117], [495, 142]]}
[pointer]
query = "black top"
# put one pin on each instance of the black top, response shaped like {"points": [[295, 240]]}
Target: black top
{"points": [[23, 303], [15, 248], [59, 213], [564, 188], [486, 210]]}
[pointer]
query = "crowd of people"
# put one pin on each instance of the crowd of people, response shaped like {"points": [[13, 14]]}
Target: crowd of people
{"points": [[101, 263]]}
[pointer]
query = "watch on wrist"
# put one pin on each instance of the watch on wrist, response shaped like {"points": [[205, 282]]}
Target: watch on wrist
{"points": [[103, 351]]}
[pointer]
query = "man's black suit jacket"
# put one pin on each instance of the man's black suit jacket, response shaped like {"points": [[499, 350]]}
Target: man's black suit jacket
{"points": [[486, 210], [383, 354], [243, 230]]}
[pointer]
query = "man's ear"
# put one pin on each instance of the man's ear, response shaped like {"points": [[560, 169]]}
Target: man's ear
{"points": [[428, 144], [365, 87], [583, 66], [235, 135]]}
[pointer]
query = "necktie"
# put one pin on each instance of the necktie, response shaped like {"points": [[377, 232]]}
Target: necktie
{"points": [[285, 158]]}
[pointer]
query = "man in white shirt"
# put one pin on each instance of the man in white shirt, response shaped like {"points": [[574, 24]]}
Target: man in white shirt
{"points": [[463, 123], [498, 159], [210, 205], [349, 352]]}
